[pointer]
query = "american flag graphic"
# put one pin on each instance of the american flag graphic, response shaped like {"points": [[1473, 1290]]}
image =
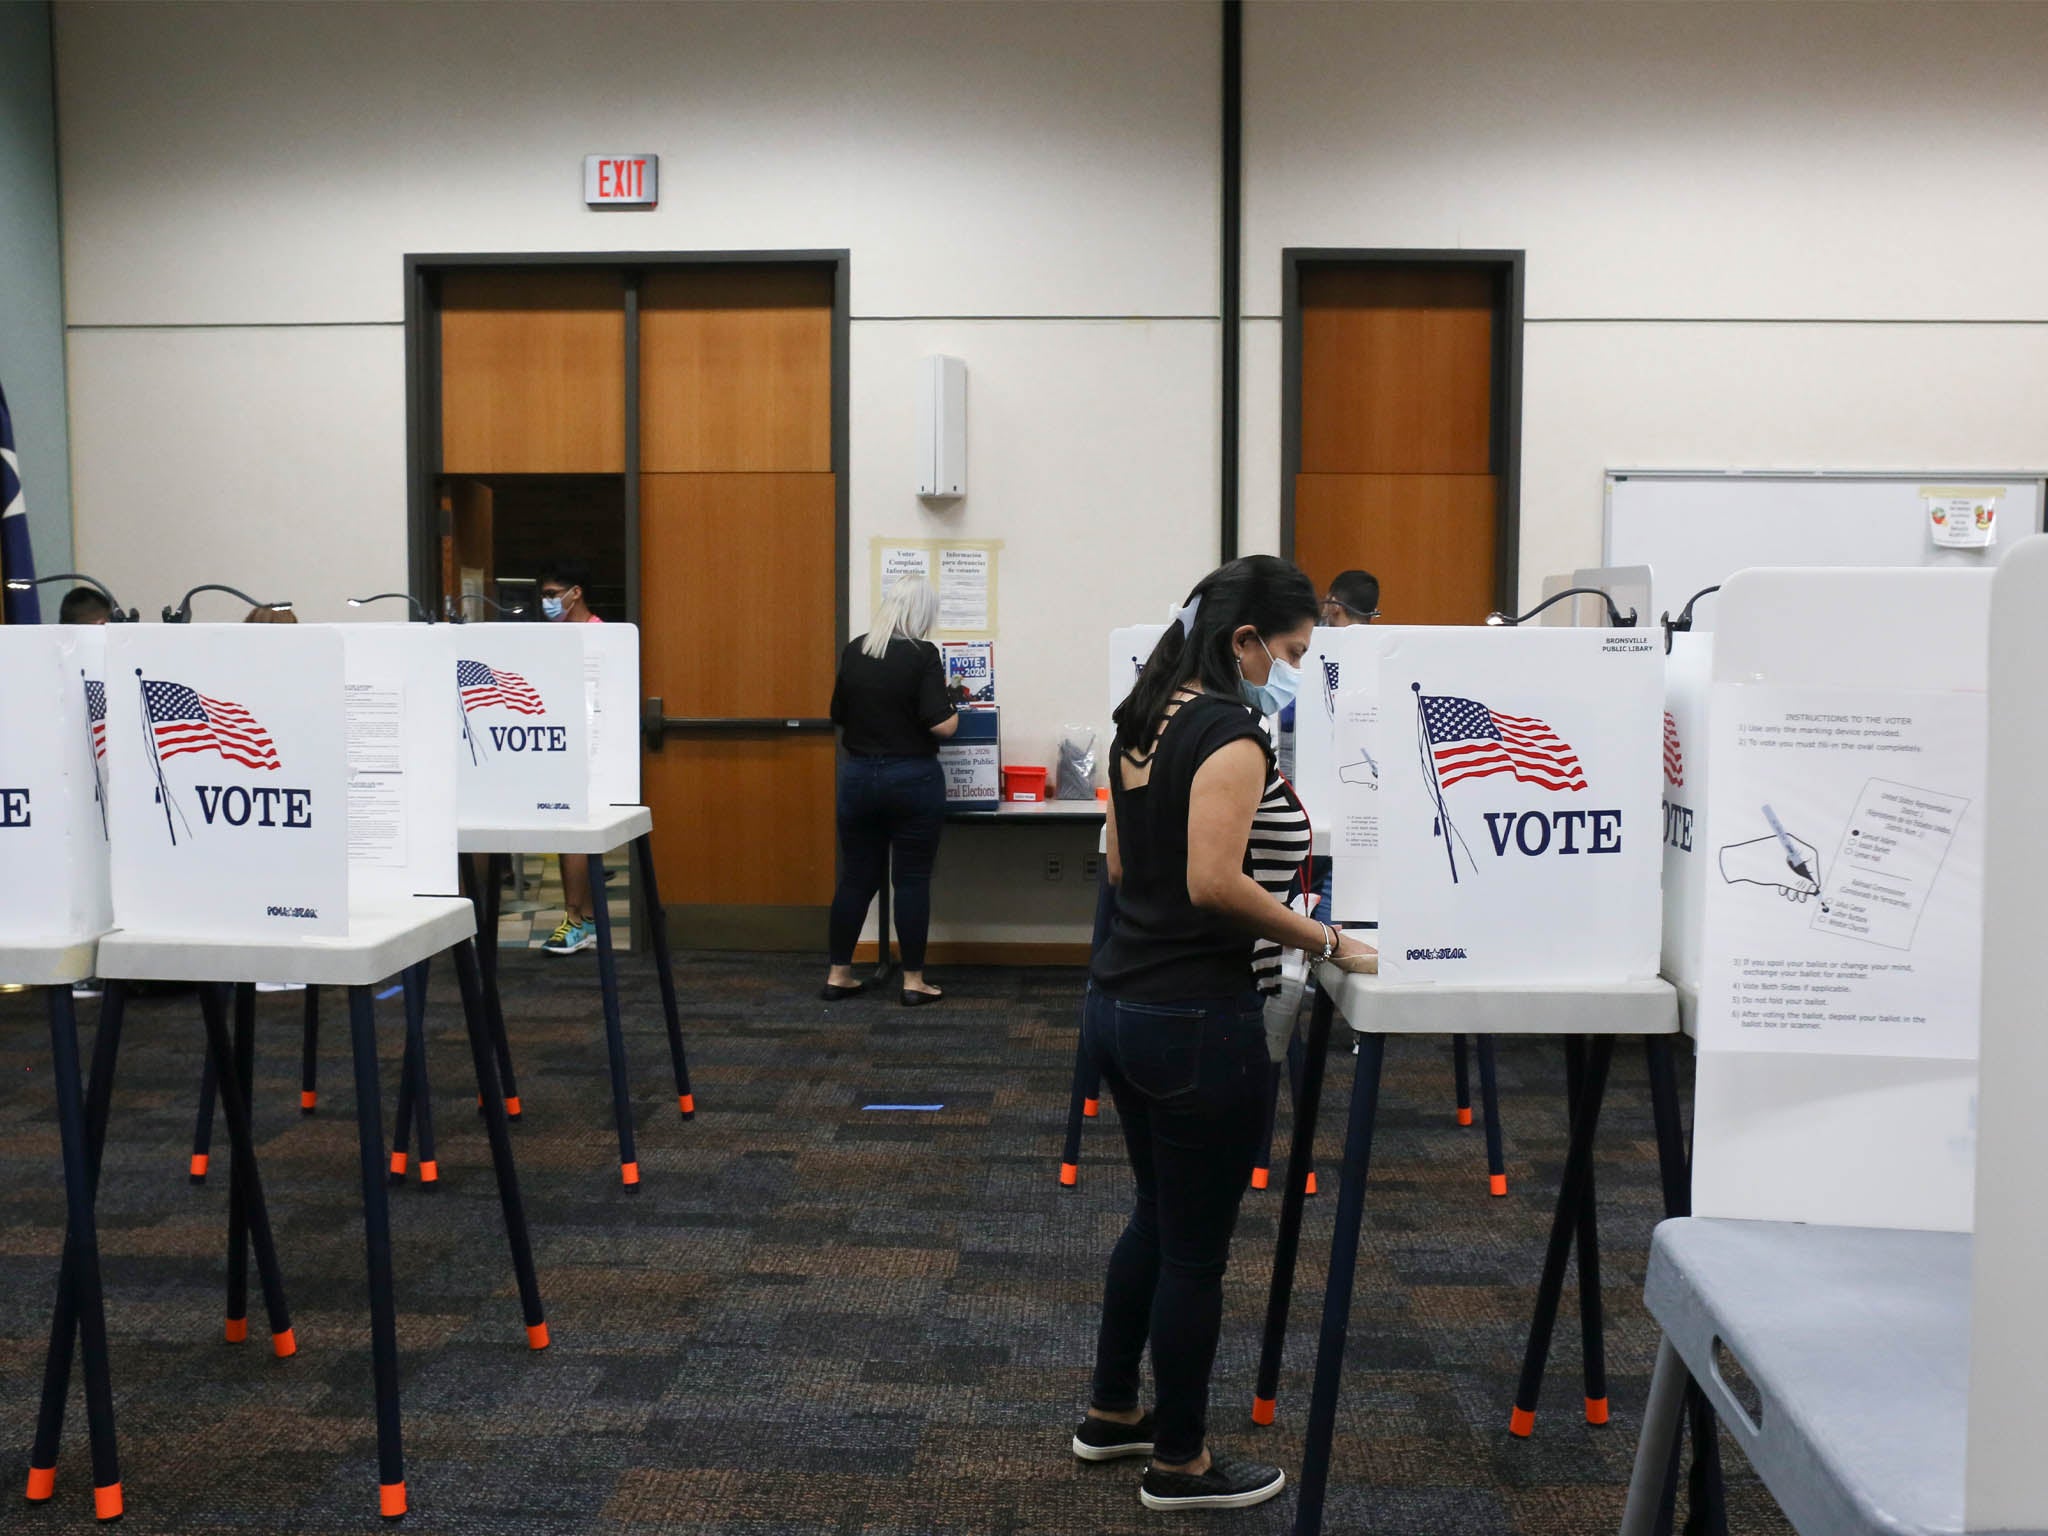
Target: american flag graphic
{"points": [[482, 686], [96, 712], [1470, 741], [1674, 757], [184, 720]]}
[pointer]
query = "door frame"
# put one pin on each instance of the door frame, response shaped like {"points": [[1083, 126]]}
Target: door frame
{"points": [[423, 390], [1506, 269]]}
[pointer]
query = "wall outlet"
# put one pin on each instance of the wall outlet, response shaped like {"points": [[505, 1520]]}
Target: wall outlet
{"points": [[1052, 867], [1091, 868]]}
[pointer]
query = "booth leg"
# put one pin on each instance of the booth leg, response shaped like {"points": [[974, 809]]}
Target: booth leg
{"points": [[415, 983], [614, 1033], [79, 1281], [1262, 1170], [664, 971], [1462, 1079], [1489, 1109], [1295, 1075], [255, 1214], [309, 1054], [237, 1085], [377, 1246], [468, 979], [1322, 1407], [1658, 1443], [401, 1118], [486, 903], [1709, 1512], [1300, 1156], [1085, 1088], [202, 1126], [1570, 1194], [1592, 1334], [42, 1459], [1671, 1167]]}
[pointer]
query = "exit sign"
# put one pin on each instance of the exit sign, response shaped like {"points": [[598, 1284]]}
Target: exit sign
{"points": [[620, 181]]}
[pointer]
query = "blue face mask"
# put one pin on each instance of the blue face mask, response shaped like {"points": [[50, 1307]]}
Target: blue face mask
{"points": [[552, 607], [1277, 691]]}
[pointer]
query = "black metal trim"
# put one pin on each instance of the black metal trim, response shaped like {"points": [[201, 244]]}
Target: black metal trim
{"points": [[632, 444], [1231, 262], [1508, 268]]}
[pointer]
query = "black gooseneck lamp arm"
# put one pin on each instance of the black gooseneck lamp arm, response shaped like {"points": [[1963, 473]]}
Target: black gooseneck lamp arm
{"points": [[419, 609], [119, 615], [1614, 614], [1682, 625], [478, 597], [182, 614]]}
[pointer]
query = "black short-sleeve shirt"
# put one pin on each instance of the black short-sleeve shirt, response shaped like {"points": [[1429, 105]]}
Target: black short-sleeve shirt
{"points": [[886, 706], [1161, 946]]}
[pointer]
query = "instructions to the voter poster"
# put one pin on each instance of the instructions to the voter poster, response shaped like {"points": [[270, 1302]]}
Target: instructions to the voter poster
{"points": [[1844, 897], [1355, 827], [375, 729]]}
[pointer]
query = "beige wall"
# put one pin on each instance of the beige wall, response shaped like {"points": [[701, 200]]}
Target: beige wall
{"points": [[1780, 235]]}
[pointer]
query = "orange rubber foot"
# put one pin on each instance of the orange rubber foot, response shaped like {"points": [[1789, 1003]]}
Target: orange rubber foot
{"points": [[198, 1167], [309, 1100], [106, 1502], [391, 1500], [1596, 1410], [1091, 1107], [1070, 1174], [237, 1329], [1311, 1182], [512, 1108], [1261, 1177], [42, 1483], [1465, 1116], [1496, 1183], [285, 1345], [430, 1172], [687, 1103], [1263, 1409], [630, 1173], [1522, 1422], [537, 1335], [397, 1167]]}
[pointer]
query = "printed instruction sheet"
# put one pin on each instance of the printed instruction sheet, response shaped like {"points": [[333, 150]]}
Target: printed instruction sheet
{"points": [[1844, 892]]}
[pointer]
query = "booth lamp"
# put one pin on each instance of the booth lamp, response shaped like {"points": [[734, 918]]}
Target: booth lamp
{"points": [[182, 614], [1614, 615], [119, 615]]}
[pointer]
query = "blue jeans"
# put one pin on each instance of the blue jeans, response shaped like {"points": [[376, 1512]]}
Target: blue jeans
{"points": [[1189, 1079], [887, 806]]}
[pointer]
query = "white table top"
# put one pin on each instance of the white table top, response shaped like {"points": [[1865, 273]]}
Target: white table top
{"points": [[1371, 1005], [46, 962], [605, 828], [382, 941], [1032, 810]]}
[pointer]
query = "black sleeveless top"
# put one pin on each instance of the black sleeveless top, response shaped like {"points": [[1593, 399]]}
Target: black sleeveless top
{"points": [[1161, 946]]}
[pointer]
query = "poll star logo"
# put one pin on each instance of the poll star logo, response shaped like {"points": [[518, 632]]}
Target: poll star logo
{"points": [[1461, 739], [481, 686], [178, 720]]}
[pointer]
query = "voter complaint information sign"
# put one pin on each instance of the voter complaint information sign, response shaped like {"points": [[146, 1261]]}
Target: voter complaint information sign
{"points": [[227, 780], [1520, 827]]}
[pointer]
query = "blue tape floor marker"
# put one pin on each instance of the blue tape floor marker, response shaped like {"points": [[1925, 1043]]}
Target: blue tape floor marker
{"points": [[925, 1109]]}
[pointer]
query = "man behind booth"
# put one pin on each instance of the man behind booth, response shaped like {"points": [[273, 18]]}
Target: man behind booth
{"points": [[82, 605], [1353, 598], [563, 584]]}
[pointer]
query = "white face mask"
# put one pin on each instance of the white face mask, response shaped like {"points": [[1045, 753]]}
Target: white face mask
{"points": [[1282, 683]]}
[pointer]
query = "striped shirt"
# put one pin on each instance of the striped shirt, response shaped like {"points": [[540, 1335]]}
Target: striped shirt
{"points": [[1278, 854]]}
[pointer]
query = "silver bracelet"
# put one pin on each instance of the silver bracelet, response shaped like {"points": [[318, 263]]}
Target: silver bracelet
{"points": [[1329, 942]]}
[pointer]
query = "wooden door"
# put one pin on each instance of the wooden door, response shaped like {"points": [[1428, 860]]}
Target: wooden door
{"points": [[739, 576], [1398, 471]]}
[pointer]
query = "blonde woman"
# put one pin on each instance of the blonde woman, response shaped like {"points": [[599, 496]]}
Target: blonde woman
{"points": [[889, 702]]}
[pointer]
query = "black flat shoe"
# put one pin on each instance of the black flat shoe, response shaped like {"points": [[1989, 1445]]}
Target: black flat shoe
{"points": [[832, 994], [921, 999]]}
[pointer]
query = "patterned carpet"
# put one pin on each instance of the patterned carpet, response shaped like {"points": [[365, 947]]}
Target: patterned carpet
{"points": [[813, 1318]]}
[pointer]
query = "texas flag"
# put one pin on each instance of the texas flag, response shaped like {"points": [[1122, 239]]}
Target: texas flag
{"points": [[18, 604]]}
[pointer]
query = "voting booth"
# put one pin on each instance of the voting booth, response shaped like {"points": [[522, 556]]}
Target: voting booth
{"points": [[53, 784]]}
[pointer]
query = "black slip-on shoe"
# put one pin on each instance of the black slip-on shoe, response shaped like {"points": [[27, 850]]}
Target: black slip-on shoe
{"points": [[1230, 1483], [831, 994], [1103, 1440], [921, 999]]}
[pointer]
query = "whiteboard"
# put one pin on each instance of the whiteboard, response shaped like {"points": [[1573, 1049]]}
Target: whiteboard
{"points": [[1696, 528]]}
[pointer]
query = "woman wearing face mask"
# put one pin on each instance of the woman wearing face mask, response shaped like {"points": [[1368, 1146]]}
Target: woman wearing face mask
{"points": [[889, 702], [562, 585], [1174, 1018]]}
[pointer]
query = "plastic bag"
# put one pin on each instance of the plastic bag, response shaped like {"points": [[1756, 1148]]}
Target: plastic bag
{"points": [[1076, 773], [1283, 1008]]}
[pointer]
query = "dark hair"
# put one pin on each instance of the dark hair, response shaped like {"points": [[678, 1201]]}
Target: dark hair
{"points": [[82, 605], [1358, 591], [1267, 593], [570, 573]]}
